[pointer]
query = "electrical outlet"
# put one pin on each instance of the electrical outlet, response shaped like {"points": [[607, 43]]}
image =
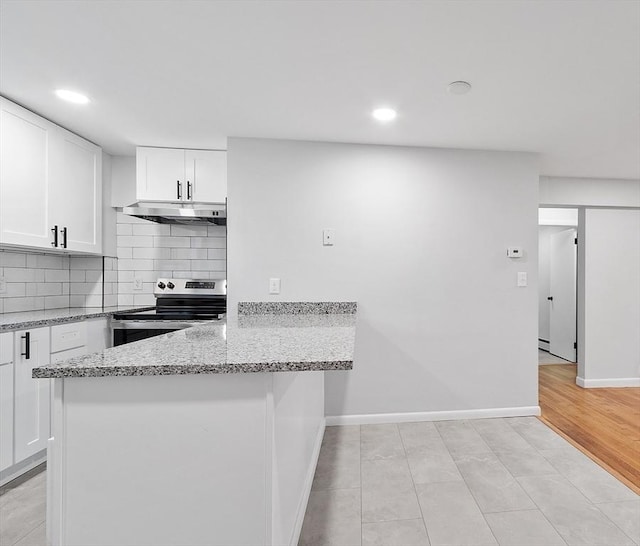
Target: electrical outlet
{"points": [[328, 237], [137, 283], [274, 286], [3, 286]]}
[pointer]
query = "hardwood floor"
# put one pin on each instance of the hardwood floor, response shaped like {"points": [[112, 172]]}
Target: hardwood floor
{"points": [[603, 423]]}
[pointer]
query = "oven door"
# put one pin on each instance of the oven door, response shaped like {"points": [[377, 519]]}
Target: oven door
{"points": [[128, 331]]}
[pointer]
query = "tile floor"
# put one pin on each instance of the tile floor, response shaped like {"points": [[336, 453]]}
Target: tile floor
{"points": [[507, 482], [22, 513]]}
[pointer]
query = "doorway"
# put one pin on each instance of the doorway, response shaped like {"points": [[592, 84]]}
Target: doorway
{"points": [[557, 313]]}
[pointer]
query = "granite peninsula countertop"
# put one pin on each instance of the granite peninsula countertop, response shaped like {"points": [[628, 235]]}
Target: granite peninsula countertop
{"points": [[49, 317], [285, 337]]}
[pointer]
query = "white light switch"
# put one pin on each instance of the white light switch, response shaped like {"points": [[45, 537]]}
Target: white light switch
{"points": [[522, 278], [328, 237], [137, 283], [274, 286]]}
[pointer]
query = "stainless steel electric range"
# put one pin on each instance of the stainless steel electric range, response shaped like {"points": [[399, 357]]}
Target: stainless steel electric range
{"points": [[180, 303]]}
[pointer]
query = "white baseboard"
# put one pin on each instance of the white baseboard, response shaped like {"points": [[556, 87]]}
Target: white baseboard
{"points": [[22, 467], [308, 482], [613, 382], [381, 418]]}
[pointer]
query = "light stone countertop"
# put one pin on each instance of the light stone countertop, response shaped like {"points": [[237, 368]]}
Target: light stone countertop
{"points": [[274, 342], [34, 319]]}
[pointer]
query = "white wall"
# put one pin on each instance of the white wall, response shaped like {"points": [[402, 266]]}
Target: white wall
{"points": [[421, 239], [595, 192], [123, 181], [610, 298]]}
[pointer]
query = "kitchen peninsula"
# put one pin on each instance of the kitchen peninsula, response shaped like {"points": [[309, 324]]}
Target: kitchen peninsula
{"points": [[189, 438]]}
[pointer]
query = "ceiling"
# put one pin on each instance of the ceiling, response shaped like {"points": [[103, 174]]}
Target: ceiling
{"points": [[561, 78]]}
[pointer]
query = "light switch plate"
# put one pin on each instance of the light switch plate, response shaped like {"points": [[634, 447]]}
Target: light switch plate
{"points": [[274, 286], [328, 237], [522, 278]]}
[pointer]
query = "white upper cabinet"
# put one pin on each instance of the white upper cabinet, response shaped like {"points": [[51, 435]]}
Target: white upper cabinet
{"points": [[206, 174], [25, 172], [160, 174], [77, 194], [50, 185], [177, 175]]}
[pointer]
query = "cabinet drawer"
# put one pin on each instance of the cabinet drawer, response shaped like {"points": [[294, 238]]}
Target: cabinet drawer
{"points": [[68, 336]]}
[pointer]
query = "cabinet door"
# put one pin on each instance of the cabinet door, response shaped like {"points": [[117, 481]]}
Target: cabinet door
{"points": [[6, 400], [31, 404], [25, 142], [206, 173], [160, 174], [76, 192]]}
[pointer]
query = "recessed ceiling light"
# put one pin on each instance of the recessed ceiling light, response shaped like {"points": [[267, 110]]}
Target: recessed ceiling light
{"points": [[384, 114], [459, 88], [72, 96]]}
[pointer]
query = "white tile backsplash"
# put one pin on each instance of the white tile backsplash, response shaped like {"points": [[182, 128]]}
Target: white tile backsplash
{"points": [[146, 251], [179, 251], [37, 281]]}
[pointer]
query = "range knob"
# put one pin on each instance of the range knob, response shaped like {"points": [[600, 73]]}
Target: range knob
{"points": [[161, 285], [171, 285]]}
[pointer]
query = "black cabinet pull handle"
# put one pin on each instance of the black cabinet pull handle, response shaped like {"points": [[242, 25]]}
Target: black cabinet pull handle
{"points": [[27, 345], [189, 196], [54, 229], [179, 184], [64, 237], [550, 298]]}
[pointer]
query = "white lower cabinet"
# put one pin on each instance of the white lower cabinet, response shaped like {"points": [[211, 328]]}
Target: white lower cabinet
{"points": [[6, 400], [31, 396]]}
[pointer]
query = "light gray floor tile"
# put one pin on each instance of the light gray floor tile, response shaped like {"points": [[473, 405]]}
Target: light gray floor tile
{"points": [[395, 533], [452, 516], [461, 438], [420, 437], [341, 434], [37, 537], [338, 466], [433, 466], [625, 515], [577, 520], [491, 484], [389, 503], [593, 481], [528, 528], [332, 518], [499, 435], [388, 473], [380, 442], [539, 435], [21, 515], [526, 462]]}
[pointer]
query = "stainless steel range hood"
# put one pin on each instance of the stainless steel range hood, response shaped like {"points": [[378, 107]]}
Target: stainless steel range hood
{"points": [[178, 213]]}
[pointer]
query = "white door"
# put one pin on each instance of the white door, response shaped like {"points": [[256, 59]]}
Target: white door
{"points": [[76, 195], [6, 400], [160, 174], [206, 174], [31, 404], [562, 283], [25, 142]]}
